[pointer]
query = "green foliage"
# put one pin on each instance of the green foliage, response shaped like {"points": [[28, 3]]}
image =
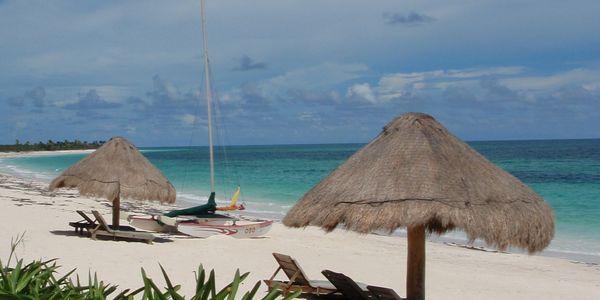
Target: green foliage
{"points": [[50, 146], [205, 288], [37, 280]]}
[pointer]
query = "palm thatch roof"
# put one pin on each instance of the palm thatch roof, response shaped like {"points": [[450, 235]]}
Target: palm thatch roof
{"points": [[117, 169], [414, 173]]}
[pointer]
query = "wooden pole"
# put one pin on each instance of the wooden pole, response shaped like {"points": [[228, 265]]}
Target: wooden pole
{"points": [[415, 271], [116, 210]]}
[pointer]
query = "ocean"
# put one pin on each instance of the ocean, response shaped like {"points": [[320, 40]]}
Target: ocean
{"points": [[566, 173]]}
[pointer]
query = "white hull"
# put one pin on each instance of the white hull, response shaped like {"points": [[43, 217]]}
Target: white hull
{"points": [[204, 227], [239, 229]]}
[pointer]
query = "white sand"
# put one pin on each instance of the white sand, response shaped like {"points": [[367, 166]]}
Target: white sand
{"points": [[43, 153], [452, 272]]}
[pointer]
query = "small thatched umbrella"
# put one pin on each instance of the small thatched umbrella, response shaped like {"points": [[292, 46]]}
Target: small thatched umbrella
{"points": [[114, 171], [416, 174]]}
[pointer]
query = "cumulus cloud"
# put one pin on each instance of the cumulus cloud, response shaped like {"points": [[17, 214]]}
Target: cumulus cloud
{"points": [[90, 101], [247, 64], [16, 101], [362, 91], [188, 119], [574, 99], [408, 19], [315, 77], [496, 90], [310, 117], [163, 90], [457, 96], [313, 97], [310, 85], [405, 86], [589, 77], [35, 96], [166, 100]]}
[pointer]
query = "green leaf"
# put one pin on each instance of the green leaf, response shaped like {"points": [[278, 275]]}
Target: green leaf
{"points": [[209, 287], [273, 293], [293, 295], [172, 291], [199, 283], [235, 284], [153, 289], [14, 276], [250, 295]]}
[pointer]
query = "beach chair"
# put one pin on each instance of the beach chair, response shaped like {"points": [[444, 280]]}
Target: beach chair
{"points": [[351, 290], [383, 293], [297, 279], [88, 223], [103, 229]]}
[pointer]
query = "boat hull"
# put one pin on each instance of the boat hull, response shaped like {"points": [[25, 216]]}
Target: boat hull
{"points": [[238, 229], [204, 227]]}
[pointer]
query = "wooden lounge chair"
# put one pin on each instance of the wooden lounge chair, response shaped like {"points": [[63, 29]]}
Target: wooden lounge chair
{"points": [[103, 229], [383, 293], [297, 279], [88, 223], [351, 290]]}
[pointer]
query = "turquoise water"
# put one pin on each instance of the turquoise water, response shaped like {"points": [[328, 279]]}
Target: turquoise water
{"points": [[566, 173]]}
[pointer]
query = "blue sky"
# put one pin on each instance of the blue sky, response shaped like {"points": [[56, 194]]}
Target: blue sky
{"points": [[298, 71]]}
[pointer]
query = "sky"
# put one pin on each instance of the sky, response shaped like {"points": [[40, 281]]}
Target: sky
{"points": [[297, 71]]}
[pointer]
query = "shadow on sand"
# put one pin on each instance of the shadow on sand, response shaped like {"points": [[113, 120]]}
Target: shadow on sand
{"points": [[158, 239]]}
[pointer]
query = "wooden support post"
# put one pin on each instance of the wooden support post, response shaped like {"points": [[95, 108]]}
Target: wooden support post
{"points": [[415, 271], [116, 209]]}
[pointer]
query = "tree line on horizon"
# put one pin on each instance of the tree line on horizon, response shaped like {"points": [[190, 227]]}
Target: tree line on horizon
{"points": [[51, 145]]}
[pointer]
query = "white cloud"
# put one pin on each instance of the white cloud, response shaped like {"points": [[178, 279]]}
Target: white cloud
{"points": [[130, 129], [314, 82], [315, 77], [398, 85], [188, 119], [581, 76], [111, 93], [362, 91], [473, 73], [309, 117]]}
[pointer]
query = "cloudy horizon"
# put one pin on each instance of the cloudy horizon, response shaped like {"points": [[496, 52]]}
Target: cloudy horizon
{"points": [[296, 72]]}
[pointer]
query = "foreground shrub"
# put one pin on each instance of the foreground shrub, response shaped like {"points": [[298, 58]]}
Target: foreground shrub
{"points": [[37, 280]]}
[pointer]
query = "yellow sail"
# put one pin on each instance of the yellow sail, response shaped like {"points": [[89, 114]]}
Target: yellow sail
{"points": [[233, 205], [235, 197]]}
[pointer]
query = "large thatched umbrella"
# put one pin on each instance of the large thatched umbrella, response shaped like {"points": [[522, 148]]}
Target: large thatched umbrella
{"points": [[114, 171], [416, 174]]}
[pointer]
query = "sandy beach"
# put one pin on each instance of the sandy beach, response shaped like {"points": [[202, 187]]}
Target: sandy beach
{"points": [[43, 153], [452, 272]]}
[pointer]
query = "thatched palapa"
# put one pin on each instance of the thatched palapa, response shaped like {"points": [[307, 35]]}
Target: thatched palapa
{"points": [[117, 170], [416, 174]]}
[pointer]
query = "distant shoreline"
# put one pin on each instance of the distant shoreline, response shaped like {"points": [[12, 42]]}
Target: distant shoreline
{"points": [[44, 153], [142, 147]]}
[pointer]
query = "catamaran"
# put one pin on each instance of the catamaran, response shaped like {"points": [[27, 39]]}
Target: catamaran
{"points": [[203, 221]]}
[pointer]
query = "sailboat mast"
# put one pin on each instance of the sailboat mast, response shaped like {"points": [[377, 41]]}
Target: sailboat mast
{"points": [[208, 99]]}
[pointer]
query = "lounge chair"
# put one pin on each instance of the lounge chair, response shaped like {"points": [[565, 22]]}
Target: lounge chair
{"points": [[103, 229], [383, 293], [351, 290], [297, 279], [88, 223]]}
